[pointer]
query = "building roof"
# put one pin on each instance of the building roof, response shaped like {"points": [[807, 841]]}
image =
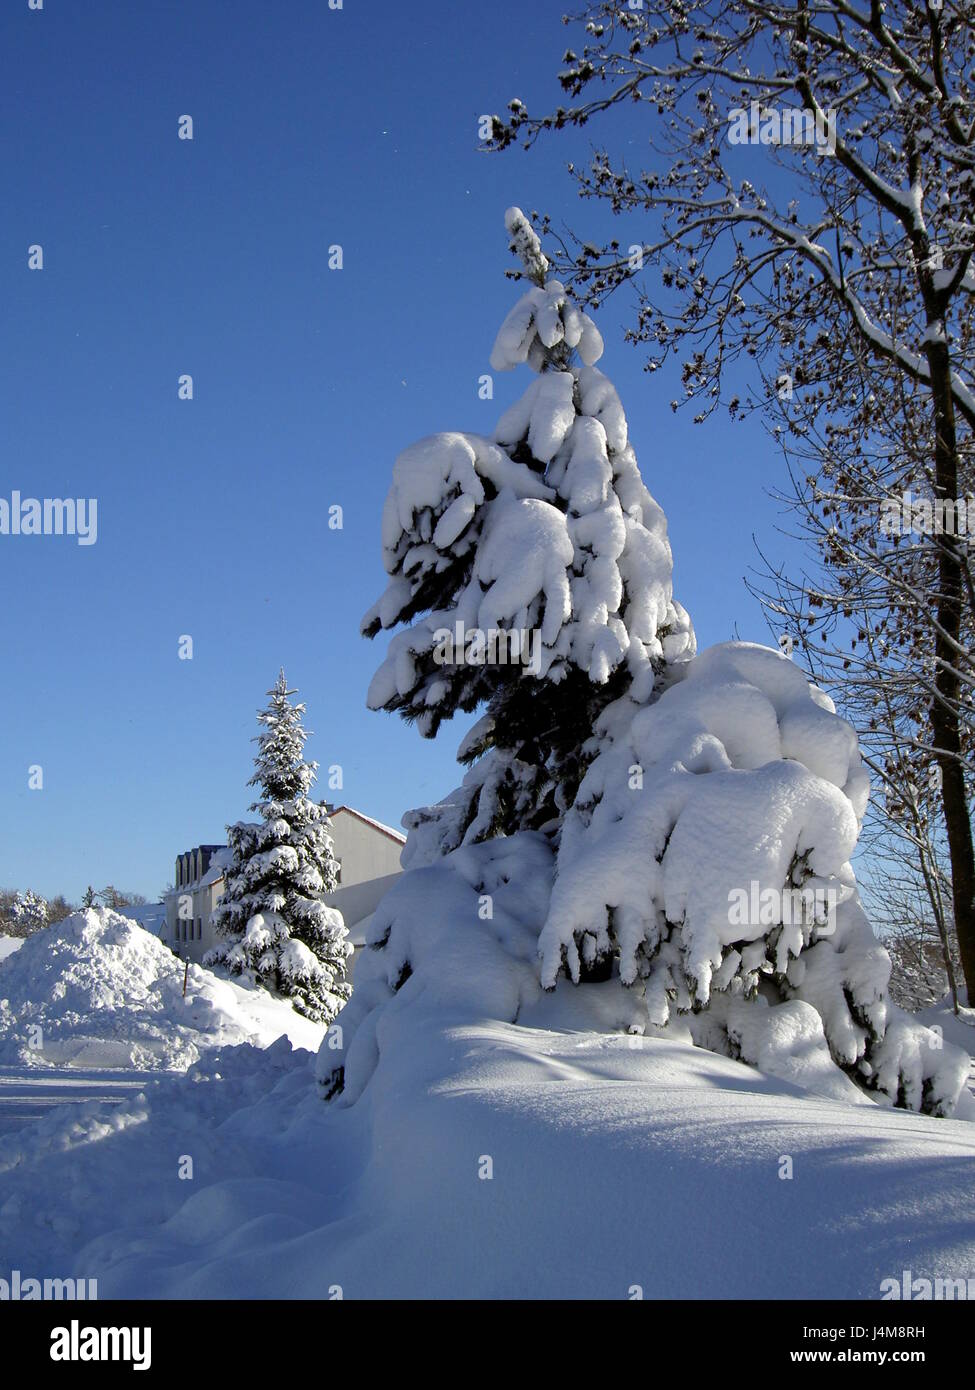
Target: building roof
{"points": [[217, 857], [221, 859], [151, 916], [369, 820]]}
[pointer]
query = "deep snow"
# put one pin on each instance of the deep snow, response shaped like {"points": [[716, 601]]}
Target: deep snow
{"points": [[97, 990], [557, 1156], [616, 1162]]}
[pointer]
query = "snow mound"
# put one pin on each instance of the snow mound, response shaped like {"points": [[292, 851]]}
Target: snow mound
{"points": [[9, 944], [97, 990]]}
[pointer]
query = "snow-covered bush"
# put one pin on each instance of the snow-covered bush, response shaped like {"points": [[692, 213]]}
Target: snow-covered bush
{"points": [[677, 827], [738, 786], [27, 912], [273, 915]]}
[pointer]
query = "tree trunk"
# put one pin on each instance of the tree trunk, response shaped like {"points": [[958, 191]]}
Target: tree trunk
{"points": [[945, 723], [931, 875]]}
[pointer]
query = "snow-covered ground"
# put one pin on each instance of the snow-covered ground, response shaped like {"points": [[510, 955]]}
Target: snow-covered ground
{"points": [[90, 1009], [27, 1093], [490, 1160], [956, 1029], [553, 1157], [9, 944]]}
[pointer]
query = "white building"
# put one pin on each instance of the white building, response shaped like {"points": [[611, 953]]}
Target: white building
{"points": [[368, 853]]}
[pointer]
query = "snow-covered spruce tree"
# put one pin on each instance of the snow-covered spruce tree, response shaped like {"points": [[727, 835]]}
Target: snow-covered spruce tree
{"points": [[677, 826], [545, 531], [273, 913]]}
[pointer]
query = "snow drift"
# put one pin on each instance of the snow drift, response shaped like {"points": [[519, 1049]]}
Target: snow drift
{"points": [[616, 1163], [97, 990]]}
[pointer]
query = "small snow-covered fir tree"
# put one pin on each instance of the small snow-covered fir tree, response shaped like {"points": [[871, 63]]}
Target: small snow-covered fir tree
{"points": [[273, 915], [678, 823]]}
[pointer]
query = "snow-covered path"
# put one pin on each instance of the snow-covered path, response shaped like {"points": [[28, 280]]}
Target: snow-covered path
{"points": [[27, 1093]]}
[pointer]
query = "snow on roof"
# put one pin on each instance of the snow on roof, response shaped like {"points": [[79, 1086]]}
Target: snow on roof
{"points": [[152, 916], [220, 860], [370, 820]]}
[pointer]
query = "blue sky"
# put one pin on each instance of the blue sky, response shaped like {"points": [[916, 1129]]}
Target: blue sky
{"points": [[163, 257]]}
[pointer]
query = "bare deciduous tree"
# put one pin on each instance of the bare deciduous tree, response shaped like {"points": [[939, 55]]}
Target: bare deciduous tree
{"points": [[850, 264]]}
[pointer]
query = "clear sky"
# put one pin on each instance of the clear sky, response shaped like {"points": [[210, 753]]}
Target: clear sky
{"points": [[165, 256]]}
